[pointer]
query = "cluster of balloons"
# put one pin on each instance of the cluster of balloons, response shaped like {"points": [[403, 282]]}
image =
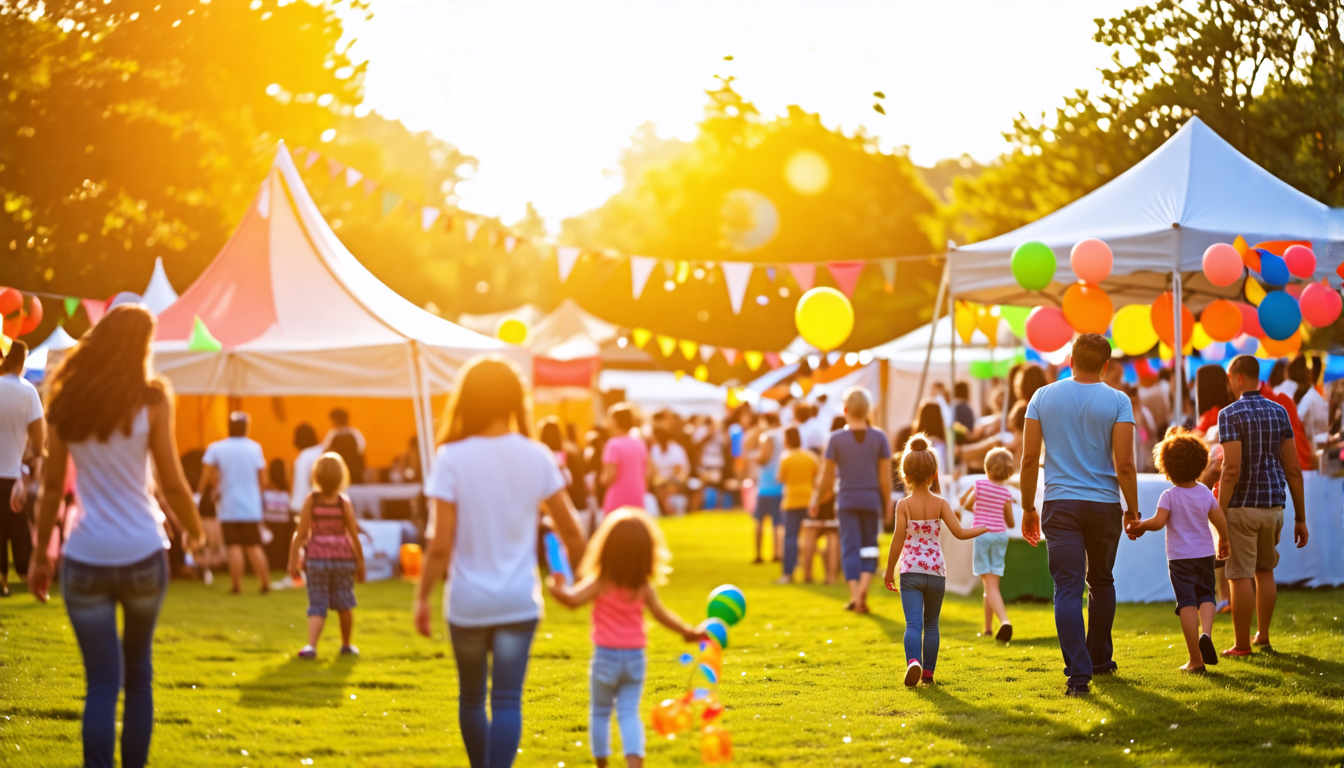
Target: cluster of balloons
{"points": [[1275, 315], [824, 318], [727, 605], [22, 313], [1086, 308]]}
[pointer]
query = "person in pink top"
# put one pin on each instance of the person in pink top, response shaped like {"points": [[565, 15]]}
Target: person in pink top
{"points": [[625, 462], [1186, 510], [625, 558], [923, 572], [993, 505]]}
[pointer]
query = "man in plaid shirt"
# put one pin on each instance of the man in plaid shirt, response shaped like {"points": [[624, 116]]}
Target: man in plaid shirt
{"points": [[1257, 437]]}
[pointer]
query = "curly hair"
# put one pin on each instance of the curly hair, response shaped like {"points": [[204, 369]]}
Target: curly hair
{"points": [[1181, 456]]}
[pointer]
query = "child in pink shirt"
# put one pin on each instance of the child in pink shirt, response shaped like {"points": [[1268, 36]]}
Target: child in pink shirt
{"points": [[1186, 510], [993, 505], [624, 559]]}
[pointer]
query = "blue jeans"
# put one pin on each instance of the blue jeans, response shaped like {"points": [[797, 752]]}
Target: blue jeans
{"points": [[922, 601], [491, 744], [1082, 537], [91, 594], [616, 678], [793, 523], [858, 532]]}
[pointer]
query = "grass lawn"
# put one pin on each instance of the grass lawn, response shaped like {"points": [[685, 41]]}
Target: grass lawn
{"points": [[805, 683]]}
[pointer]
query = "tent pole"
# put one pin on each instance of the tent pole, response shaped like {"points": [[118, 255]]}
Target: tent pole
{"points": [[948, 438], [1177, 413], [933, 331], [424, 419]]}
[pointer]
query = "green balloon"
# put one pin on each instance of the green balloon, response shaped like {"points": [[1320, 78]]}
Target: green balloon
{"points": [[982, 369], [1033, 265], [1016, 318]]}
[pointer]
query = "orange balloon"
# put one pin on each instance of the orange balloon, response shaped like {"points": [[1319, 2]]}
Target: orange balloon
{"points": [[1222, 320], [1286, 348], [1164, 319], [716, 745], [1087, 308]]}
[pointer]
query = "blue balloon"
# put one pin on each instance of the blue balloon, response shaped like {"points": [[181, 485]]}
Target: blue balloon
{"points": [[1280, 315], [1273, 270]]}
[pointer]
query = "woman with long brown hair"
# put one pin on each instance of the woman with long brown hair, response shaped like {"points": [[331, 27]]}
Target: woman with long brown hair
{"points": [[488, 482], [112, 415]]}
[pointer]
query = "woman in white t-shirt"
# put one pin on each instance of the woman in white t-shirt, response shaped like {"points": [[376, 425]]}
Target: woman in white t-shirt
{"points": [[488, 482]]}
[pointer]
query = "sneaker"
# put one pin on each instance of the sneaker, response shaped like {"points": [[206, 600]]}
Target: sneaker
{"points": [[1222, 606], [349, 650], [1077, 690], [928, 678], [1206, 650], [913, 673], [308, 652], [1005, 633]]}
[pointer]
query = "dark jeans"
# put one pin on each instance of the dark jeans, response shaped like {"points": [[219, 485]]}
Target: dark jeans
{"points": [[491, 744], [793, 522], [14, 532], [91, 594], [1082, 538], [858, 532], [922, 601]]}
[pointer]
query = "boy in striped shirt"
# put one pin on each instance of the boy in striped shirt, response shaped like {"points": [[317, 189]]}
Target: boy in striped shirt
{"points": [[993, 505]]}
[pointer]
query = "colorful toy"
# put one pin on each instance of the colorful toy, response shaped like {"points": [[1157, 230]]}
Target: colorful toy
{"points": [[727, 603], [717, 629]]}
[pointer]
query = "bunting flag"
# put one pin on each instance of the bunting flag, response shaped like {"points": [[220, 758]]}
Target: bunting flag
{"points": [[805, 275], [335, 167], [640, 269], [641, 336], [313, 157], [730, 355], [299, 151], [772, 359], [706, 352], [846, 275], [888, 273], [428, 215], [510, 242], [94, 309], [390, 201], [566, 256], [667, 345], [352, 177], [753, 358], [472, 227], [201, 339], [688, 348], [701, 372], [71, 306], [369, 186], [736, 275]]}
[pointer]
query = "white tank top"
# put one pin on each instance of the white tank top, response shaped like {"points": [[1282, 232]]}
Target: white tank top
{"points": [[120, 522]]}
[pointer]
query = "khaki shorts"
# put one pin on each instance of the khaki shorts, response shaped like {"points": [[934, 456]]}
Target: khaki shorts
{"points": [[1254, 535]]}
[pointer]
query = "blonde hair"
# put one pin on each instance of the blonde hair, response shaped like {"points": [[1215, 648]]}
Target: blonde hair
{"points": [[628, 551], [858, 402], [999, 464], [330, 474], [919, 464]]}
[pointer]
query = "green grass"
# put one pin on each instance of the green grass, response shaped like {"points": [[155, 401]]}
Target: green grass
{"points": [[805, 683]]}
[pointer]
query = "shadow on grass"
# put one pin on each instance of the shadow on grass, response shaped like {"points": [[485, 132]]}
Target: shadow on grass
{"points": [[299, 683]]}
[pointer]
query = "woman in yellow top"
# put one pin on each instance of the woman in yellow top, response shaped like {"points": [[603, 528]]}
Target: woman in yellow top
{"points": [[797, 473]]}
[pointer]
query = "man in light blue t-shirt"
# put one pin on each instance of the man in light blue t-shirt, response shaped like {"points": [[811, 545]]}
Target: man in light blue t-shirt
{"points": [[236, 467], [1088, 430]]}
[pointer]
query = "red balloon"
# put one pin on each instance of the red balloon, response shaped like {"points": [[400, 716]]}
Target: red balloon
{"points": [[1250, 320], [11, 325], [10, 301], [1047, 329], [1320, 305], [1301, 261], [33, 318], [1164, 320]]}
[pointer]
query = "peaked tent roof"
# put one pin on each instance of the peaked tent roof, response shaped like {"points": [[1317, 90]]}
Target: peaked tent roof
{"points": [[35, 367], [297, 314], [159, 294], [1159, 216], [570, 332]]}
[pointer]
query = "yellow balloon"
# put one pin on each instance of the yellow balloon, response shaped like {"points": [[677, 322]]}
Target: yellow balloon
{"points": [[824, 318], [1201, 339], [964, 320], [1132, 329], [988, 323], [1255, 292], [511, 330]]}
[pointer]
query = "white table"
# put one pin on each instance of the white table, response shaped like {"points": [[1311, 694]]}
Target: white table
{"points": [[368, 498]]}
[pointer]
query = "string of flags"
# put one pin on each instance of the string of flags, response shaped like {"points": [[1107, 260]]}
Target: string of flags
{"points": [[736, 275]]}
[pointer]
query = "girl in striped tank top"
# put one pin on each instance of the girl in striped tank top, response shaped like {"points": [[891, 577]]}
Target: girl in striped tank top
{"points": [[334, 557], [993, 505], [625, 558]]}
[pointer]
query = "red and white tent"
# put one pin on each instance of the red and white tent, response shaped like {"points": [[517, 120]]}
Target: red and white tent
{"points": [[297, 314]]}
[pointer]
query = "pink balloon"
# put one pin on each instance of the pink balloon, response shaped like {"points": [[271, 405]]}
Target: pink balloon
{"points": [[1091, 260], [1294, 290], [1222, 264], [1047, 330], [1250, 320], [1320, 305], [1300, 260]]}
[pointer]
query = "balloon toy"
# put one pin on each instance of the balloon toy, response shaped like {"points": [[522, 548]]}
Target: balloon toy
{"points": [[1091, 260], [1133, 330], [1250, 321], [1033, 265], [32, 316], [1272, 269], [512, 330], [1048, 329], [727, 603], [1320, 304], [718, 629], [716, 745], [11, 301], [1279, 315], [1164, 318], [824, 318], [1300, 260], [1087, 308], [1222, 264], [1221, 320]]}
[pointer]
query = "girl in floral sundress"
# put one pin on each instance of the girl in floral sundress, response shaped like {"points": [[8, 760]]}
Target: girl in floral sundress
{"points": [[923, 575]]}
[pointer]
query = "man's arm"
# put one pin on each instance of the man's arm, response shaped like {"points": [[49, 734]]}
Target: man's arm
{"points": [[1227, 481], [37, 444], [1122, 453], [1031, 464], [1293, 471]]}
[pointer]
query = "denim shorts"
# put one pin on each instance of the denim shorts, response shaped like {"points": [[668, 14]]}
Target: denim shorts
{"points": [[1192, 581], [989, 551], [331, 584]]}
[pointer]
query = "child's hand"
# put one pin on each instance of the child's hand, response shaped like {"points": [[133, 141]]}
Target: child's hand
{"points": [[557, 582], [693, 634], [1224, 548], [892, 585], [422, 617], [359, 572]]}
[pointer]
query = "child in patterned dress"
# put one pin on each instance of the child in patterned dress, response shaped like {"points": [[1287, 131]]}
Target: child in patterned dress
{"points": [[923, 573], [335, 559]]}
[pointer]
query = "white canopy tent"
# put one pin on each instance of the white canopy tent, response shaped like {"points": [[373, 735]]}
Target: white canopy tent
{"points": [[298, 315], [655, 390], [35, 367], [159, 294]]}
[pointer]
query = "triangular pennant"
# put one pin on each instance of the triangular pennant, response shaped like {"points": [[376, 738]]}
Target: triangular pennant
{"points": [[753, 358], [667, 345], [510, 242], [313, 157], [701, 372], [846, 275], [736, 275], [352, 177], [805, 275], [888, 273], [335, 167], [94, 309], [640, 269], [772, 359], [707, 352], [688, 348], [299, 151], [730, 355], [428, 215], [201, 339], [369, 186], [566, 256], [641, 336], [390, 201], [71, 306], [472, 227]]}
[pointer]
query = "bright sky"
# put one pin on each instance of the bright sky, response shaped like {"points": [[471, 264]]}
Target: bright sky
{"points": [[546, 93]]}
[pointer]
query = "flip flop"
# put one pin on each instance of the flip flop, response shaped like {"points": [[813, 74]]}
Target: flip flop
{"points": [[1207, 651], [1234, 653], [849, 606]]}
